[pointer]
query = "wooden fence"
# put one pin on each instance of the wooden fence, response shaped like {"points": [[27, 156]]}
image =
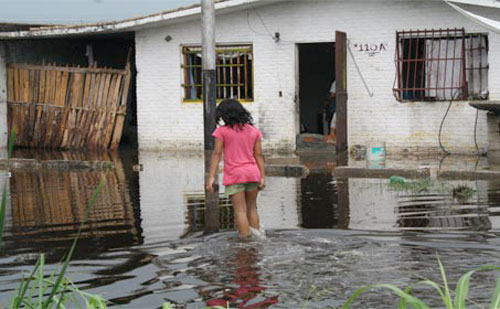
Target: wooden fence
{"points": [[67, 107], [48, 206]]}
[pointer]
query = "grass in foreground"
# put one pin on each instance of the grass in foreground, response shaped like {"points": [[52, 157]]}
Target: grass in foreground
{"points": [[461, 292], [56, 290]]}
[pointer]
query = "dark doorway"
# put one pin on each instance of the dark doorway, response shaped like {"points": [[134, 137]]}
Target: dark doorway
{"points": [[316, 74]]}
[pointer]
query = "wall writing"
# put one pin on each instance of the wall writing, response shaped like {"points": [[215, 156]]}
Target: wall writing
{"points": [[371, 49]]}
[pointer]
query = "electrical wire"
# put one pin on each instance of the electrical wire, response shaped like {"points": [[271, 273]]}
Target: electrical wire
{"points": [[358, 69], [269, 34], [261, 20], [441, 129], [442, 122], [442, 160], [475, 133], [251, 28]]}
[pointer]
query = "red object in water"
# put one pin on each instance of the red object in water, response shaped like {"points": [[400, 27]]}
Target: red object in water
{"points": [[247, 276]]}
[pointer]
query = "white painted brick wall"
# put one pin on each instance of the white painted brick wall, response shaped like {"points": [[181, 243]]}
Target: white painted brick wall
{"points": [[165, 122]]}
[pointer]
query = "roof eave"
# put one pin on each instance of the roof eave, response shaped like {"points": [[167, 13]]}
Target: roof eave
{"points": [[484, 3], [119, 26]]}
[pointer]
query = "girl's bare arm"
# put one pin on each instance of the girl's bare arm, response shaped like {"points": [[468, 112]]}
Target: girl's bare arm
{"points": [[259, 158], [214, 164]]}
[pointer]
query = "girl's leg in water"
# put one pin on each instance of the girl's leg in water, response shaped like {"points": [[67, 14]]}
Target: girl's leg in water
{"points": [[240, 213], [252, 214]]}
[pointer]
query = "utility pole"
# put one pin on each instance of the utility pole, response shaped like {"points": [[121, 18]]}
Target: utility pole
{"points": [[209, 105]]}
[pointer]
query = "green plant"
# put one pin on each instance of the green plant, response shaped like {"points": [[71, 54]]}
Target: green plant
{"points": [[463, 193], [58, 290], [59, 287], [461, 292], [32, 290], [400, 184]]}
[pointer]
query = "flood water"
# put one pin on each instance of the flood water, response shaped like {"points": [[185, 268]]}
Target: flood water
{"points": [[144, 242]]}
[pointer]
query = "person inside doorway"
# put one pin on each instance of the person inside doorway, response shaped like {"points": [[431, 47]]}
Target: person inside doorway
{"points": [[331, 106]]}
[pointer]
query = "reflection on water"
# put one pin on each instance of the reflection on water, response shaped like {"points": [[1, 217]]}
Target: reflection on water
{"points": [[247, 288], [443, 212], [48, 205], [318, 201], [143, 242], [374, 205], [312, 268], [195, 217], [172, 188]]}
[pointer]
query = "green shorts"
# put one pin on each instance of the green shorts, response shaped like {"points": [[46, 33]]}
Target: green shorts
{"points": [[241, 187]]}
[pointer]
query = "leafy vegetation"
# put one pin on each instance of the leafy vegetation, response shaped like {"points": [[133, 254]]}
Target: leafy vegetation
{"points": [[461, 292], [462, 192], [57, 290], [400, 184]]}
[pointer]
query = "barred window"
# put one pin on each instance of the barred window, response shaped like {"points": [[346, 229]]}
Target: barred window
{"points": [[234, 69], [440, 65], [196, 212]]}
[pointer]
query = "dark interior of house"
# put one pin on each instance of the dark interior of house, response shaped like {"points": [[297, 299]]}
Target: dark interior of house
{"points": [[316, 74]]}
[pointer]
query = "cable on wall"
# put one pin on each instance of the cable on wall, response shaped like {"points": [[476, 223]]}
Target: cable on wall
{"points": [[358, 69]]}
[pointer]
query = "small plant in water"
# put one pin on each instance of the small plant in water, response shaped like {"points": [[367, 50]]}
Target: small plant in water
{"points": [[463, 193], [398, 183], [461, 292], [56, 290]]}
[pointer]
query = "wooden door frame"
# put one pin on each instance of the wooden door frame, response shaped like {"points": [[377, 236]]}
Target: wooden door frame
{"points": [[341, 94]]}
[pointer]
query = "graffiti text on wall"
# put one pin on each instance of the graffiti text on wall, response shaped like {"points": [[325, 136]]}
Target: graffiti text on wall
{"points": [[371, 49]]}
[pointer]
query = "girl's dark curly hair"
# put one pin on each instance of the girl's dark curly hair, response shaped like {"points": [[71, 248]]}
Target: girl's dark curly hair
{"points": [[233, 114]]}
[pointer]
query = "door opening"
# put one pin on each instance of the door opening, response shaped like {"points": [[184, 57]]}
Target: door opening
{"points": [[316, 74]]}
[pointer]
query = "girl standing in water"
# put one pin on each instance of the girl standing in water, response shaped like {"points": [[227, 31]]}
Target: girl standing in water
{"points": [[240, 142]]}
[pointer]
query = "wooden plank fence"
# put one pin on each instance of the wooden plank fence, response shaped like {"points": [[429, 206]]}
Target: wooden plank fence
{"points": [[67, 107], [48, 205]]}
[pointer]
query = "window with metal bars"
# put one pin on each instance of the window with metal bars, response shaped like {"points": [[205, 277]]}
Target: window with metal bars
{"points": [[196, 212], [441, 65], [234, 69]]}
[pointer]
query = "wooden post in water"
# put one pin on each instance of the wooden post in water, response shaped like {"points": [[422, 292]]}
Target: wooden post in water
{"points": [[209, 105]]}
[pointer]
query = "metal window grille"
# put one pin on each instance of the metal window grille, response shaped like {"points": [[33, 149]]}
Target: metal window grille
{"points": [[477, 66], [234, 69], [440, 65], [196, 212]]}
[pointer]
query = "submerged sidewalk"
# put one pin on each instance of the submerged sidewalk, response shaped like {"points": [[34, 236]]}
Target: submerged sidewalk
{"points": [[435, 167]]}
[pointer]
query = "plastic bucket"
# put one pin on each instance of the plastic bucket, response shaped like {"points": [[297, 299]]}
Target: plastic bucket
{"points": [[375, 155]]}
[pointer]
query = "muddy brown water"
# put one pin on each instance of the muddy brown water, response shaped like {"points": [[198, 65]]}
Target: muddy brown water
{"points": [[144, 242]]}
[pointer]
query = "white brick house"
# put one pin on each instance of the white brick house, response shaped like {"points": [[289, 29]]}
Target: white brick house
{"points": [[166, 119]]}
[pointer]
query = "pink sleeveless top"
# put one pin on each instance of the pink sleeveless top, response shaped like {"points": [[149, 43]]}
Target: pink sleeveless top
{"points": [[239, 161]]}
